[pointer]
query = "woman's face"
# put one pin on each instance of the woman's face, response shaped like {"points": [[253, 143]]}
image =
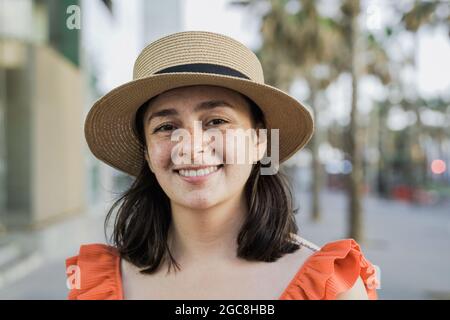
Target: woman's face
{"points": [[173, 161]]}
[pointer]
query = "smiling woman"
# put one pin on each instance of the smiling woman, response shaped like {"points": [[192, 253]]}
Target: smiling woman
{"points": [[227, 230]]}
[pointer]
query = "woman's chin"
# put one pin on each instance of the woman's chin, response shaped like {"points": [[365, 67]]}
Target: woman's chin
{"points": [[200, 203]]}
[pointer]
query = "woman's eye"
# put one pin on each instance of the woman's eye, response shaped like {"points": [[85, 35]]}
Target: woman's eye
{"points": [[164, 127], [217, 121]]}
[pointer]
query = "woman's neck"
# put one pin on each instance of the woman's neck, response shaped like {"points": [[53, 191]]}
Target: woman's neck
{"points": [[203, 235]]}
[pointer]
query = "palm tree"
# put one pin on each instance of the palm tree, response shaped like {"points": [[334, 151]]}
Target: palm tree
{"points": [[351, 10], [336, 43], [294, 44], [314, 41]]}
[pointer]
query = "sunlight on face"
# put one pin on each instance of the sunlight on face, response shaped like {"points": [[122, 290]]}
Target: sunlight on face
{"points": [[198, 109]]}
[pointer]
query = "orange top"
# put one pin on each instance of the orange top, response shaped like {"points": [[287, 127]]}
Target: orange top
{"points": [[329, 271]]}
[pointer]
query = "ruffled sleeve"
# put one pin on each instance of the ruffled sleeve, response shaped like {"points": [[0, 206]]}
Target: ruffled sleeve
{"points": [[94, 274], [332, 270]]}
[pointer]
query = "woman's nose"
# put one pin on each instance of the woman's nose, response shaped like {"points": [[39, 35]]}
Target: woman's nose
{"points": [[197, 143]]}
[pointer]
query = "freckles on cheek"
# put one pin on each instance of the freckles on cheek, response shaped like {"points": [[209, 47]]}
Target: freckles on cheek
{"points": [[160, 154]]}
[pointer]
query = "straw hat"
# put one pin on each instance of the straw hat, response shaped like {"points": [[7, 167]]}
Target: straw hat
{"points": [[185, 59]]}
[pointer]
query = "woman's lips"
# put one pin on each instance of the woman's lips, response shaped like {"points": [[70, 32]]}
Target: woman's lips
{"points": [[199, 179]]}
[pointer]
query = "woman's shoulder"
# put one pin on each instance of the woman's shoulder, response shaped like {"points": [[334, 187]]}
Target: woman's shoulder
{"points": [[94, 273], [337, 270]]}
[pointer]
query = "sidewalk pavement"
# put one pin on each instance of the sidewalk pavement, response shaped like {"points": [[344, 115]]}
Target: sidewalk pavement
{"points": [[408, 243], [40, 272]]}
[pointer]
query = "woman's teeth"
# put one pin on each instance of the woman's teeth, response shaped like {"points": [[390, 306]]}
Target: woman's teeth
{"points": [[196, 173]]}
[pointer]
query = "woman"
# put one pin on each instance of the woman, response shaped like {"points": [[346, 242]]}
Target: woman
{"points": [[199, 222]]}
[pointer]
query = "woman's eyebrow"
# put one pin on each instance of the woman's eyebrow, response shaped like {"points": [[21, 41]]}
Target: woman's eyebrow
{"points": [[210, 104], [204, 105], [162, 113]]}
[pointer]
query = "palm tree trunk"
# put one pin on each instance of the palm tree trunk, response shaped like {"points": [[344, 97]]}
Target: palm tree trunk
{"points": [[356, 175], [382, 182], [315, 183]]}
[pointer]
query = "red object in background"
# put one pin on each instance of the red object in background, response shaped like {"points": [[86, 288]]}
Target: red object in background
{"points": [[402, 192], [415, 195]]}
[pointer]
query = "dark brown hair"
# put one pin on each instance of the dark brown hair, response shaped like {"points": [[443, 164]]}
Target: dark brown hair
{"points": [[143, 218]]}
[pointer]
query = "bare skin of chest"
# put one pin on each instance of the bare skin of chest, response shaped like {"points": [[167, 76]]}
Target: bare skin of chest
{"points": [[239, 280]]}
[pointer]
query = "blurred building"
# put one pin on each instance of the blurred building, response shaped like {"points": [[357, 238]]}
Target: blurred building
{"points": [[42, 172]]}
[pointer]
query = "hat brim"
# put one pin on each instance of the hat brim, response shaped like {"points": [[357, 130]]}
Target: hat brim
{"points": [[109, 124]]}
